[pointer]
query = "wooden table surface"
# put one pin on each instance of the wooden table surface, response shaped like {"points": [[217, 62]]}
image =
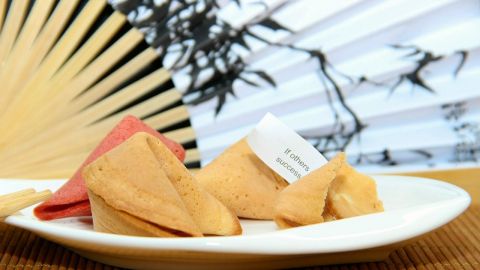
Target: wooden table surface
{"points": [[453, 246]]}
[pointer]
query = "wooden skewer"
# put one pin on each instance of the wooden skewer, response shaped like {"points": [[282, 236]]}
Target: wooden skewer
{"points": [[11, 203]]}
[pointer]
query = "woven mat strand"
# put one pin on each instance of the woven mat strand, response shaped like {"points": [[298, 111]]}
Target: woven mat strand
{"points": [[454, 246]]}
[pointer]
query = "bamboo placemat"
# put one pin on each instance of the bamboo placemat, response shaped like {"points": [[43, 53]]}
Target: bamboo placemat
{"points": [[454, 246]]}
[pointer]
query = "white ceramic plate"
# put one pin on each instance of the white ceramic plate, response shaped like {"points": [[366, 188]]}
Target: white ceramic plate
{"points": [[413, 206]]}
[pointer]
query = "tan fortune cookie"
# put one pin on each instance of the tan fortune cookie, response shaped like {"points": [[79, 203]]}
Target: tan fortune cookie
{"points": [[240, 180], [334, 191], [140, 188], [351, 194], [303, 202]]}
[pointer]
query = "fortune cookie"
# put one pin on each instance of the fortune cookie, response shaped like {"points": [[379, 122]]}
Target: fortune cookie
{"points": [[71, 200], [303, 202], [334, 191], [141, 188], [351, 194], [240, 180]]}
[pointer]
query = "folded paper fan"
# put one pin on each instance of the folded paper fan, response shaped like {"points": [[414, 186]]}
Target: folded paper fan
{"points": [[70, 71], [72, 199], [391, 83]]}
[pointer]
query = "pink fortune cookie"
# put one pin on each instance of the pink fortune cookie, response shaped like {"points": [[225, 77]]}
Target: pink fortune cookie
{"points": [[71, 199]]}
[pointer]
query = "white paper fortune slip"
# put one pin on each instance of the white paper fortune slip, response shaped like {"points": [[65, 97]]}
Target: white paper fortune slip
{"points": [[283, 150]]}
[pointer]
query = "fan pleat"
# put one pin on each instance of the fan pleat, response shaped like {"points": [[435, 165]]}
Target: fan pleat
{"points": [[12, 27], [3, 10]]}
